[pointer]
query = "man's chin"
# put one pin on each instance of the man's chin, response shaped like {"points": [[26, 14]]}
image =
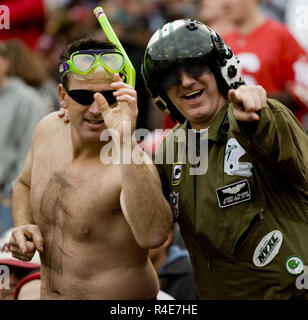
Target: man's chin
{"points": [[92, 137]]}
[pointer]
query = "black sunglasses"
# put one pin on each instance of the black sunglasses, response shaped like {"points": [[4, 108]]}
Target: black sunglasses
{"points": [[86, 97]]}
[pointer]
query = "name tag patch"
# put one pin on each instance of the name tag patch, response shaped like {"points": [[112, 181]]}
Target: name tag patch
{"points": [[233, 194]]}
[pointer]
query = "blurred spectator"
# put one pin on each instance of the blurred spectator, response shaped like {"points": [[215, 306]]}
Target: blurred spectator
{"points": [[21, 109], [269, 55], [180, 9], [28, 17], [215, 15], [174, 270], [71, 23], [18, 269], [25, 64]]}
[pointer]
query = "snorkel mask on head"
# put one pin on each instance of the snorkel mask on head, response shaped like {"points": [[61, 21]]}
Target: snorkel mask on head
{"points": [[88, 64]]}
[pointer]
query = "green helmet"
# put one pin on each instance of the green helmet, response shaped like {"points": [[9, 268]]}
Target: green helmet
{"points": [[187, 42]]}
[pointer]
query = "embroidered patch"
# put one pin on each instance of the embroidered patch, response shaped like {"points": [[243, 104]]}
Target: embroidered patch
{"points": [[268, 248], [174, 201], [176, 173], [233, 194], [232, 165], [294, 265]]}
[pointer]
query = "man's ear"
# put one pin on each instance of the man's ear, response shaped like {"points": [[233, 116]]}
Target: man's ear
{"points": [[62, 96]]}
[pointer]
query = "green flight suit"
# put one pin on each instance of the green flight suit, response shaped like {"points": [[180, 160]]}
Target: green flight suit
{"points": [[247, 215]]}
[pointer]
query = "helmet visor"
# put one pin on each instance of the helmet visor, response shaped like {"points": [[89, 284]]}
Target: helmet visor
{"points": [[172, 76]]}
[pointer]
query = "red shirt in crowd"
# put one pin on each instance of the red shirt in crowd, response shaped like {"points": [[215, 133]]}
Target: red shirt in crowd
{"points": [[270, 56]]}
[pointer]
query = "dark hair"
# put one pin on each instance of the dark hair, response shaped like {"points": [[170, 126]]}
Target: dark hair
{"points": [[82, 44]]}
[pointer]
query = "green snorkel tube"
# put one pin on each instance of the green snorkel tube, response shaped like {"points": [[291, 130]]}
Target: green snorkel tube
{"points": [[112, 37]]}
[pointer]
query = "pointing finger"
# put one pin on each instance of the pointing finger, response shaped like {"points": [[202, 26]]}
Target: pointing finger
{"points": [[101, 102]]}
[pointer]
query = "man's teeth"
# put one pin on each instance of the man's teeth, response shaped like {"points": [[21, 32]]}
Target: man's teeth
{"points": [[193, 93]]}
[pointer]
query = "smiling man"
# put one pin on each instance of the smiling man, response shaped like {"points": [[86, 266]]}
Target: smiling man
{"points": [[245, 218], [92, 223]]}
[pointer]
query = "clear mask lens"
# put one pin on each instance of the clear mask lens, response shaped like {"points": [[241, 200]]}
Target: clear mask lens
{"points": [[114, 61], [83, 62]]}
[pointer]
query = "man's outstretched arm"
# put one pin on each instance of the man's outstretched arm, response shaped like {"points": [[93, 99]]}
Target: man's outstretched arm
{"points": [[26, 236]]}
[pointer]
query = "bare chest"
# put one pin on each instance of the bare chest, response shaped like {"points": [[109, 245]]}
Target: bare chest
{"points": [[79, 200]]}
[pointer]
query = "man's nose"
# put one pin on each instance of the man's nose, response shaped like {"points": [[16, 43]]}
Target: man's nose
{"points": [[187, 79]]}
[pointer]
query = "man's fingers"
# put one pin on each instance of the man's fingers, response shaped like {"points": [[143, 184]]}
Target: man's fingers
{"points": [[247, 101], [61, 112], [21, 254], [101, 102], [38, 241], [245, 116], [243, 101], [129, 91], [18, 239], [234, 96], [262, 97], [117, 78], [25, 240], [66, 117]]}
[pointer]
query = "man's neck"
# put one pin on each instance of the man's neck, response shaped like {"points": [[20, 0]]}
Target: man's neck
{"points": [[251, 22], [85, 149]]}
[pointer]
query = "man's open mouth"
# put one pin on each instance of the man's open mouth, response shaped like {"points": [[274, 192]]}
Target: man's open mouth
{"points": [[92, 121], [193, 94]]}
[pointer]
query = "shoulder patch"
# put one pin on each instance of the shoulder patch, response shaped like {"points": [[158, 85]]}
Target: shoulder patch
{"points": [[176, 173], [232, 165]]}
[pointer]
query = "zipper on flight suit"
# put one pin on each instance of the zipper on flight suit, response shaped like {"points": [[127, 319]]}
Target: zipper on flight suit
{"points": [[245, 234], [195, 191]]}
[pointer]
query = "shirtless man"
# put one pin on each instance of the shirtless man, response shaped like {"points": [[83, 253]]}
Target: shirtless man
{"points": [[93, 223]]}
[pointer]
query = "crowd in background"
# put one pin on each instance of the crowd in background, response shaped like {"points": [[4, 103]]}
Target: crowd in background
{"points": [[39, 29]]}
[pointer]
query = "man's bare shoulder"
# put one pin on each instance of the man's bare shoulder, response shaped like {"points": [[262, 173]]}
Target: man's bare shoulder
{"points": [[49, 128]]}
